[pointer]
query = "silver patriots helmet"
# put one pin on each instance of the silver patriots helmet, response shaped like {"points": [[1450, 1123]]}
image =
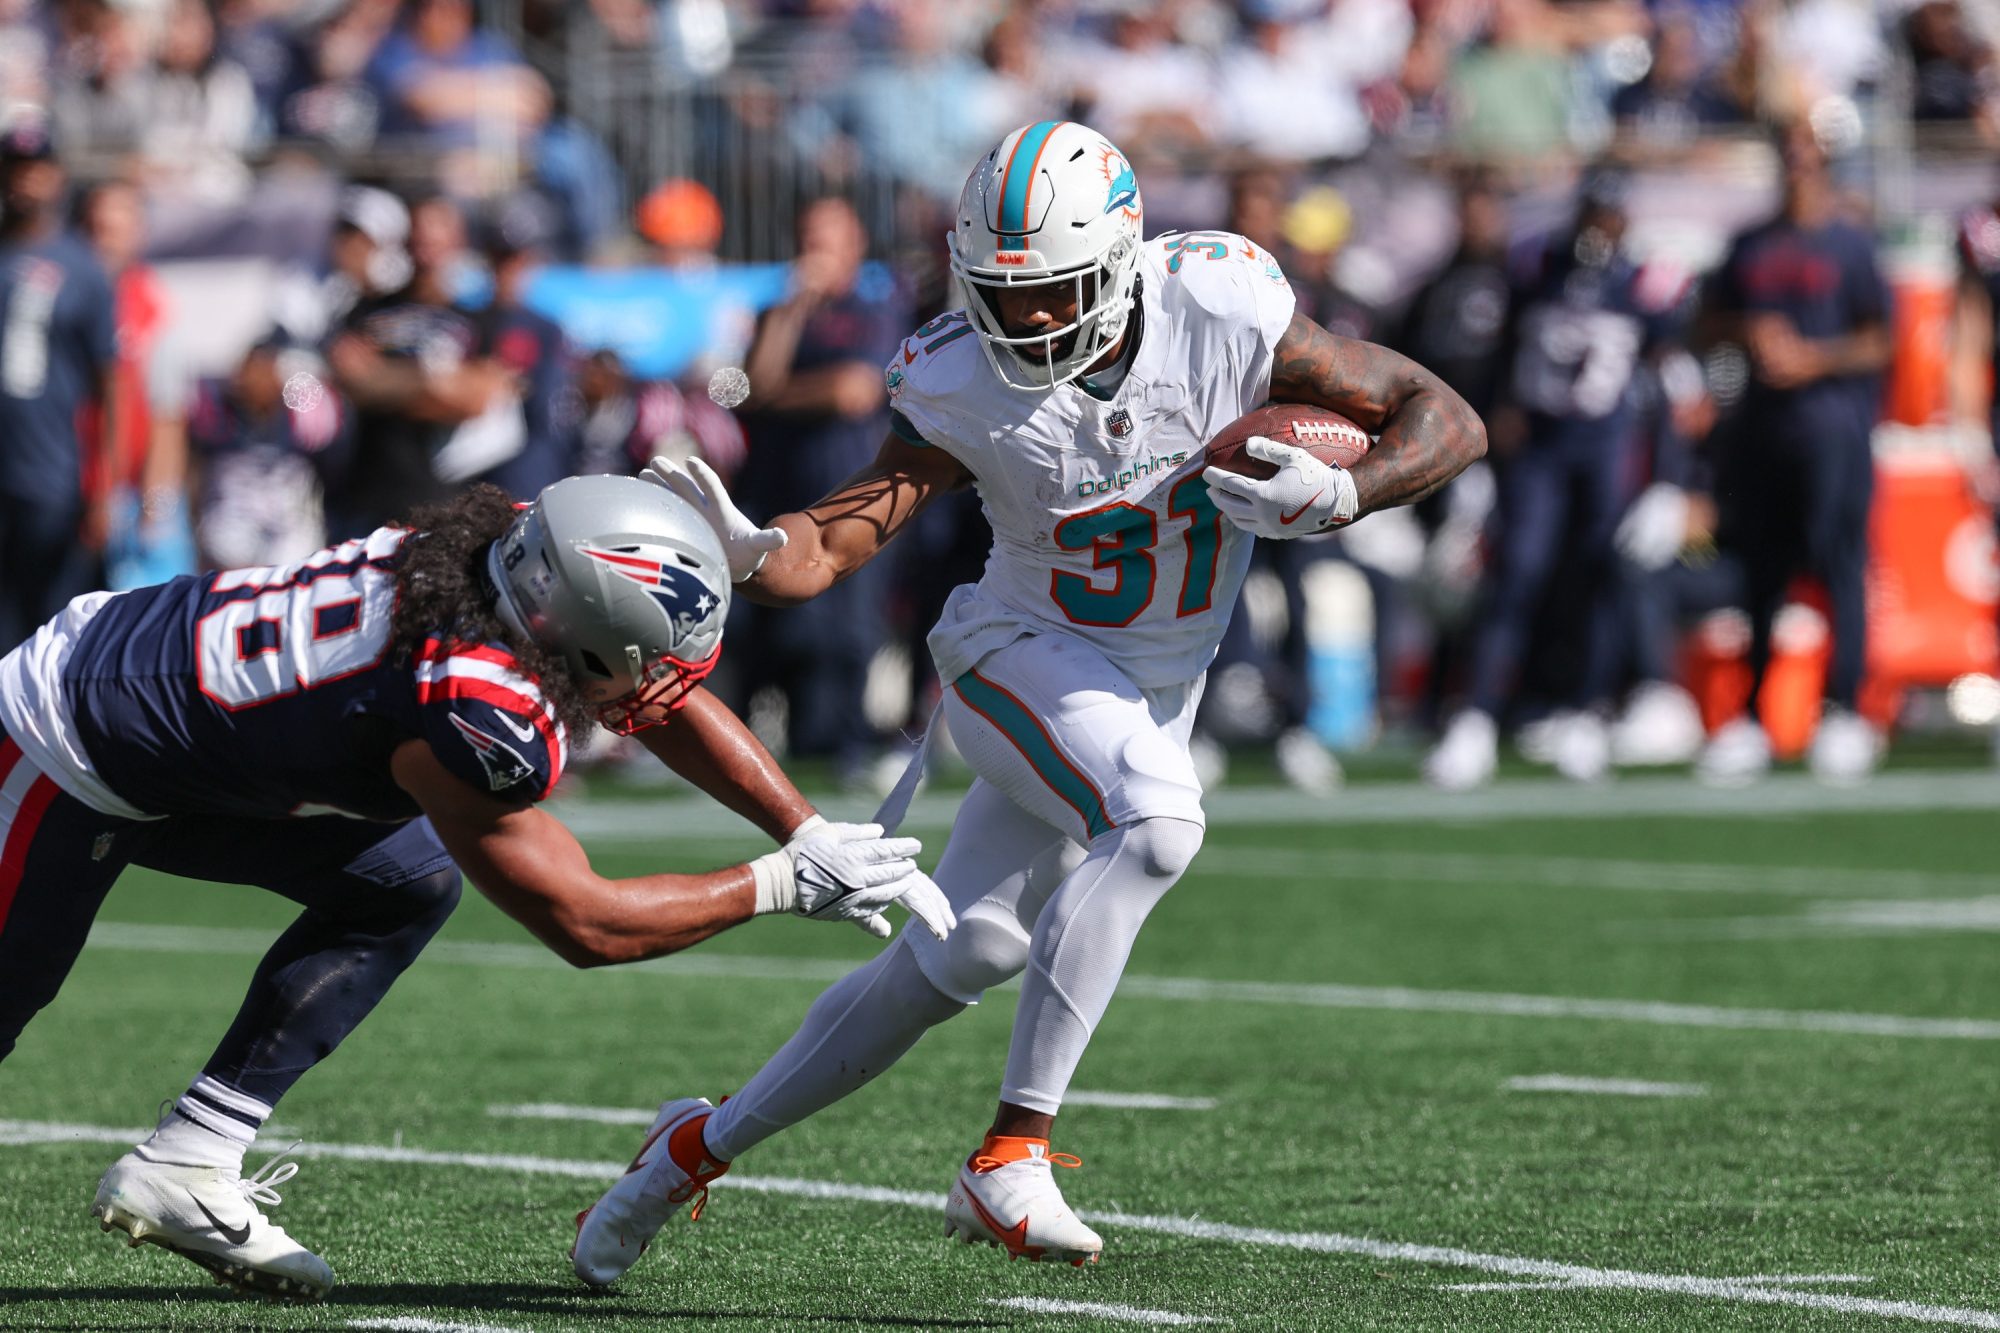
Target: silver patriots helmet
{"points": [[626, 582]]}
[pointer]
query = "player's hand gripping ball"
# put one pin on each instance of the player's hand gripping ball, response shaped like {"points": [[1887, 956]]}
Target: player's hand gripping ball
{"points": [[1281, 471]]}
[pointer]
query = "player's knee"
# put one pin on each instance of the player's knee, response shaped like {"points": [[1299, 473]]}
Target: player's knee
{"points": [[986, 948], [1167, 847], [425, 902]]}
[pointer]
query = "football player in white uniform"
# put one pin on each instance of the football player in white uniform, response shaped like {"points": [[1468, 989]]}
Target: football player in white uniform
{"points": [[1076, 390]]}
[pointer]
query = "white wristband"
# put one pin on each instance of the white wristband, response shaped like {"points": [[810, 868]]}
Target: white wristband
{"points": [[777, 882]]}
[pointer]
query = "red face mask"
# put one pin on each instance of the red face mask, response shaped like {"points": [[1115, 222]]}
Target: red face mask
{"points": [[654, 703]]}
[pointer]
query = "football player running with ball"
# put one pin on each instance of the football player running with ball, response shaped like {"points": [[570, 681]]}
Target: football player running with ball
{"points": [[341, 731], [1076, 390]]}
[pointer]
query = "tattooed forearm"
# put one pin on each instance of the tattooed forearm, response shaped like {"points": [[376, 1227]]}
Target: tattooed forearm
{"points": [[1428, 434]]}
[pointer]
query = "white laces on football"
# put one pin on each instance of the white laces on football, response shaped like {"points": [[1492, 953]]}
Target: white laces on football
{"points": [[262, 1187]]}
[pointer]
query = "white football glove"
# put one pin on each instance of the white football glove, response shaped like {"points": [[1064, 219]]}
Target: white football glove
{"points": [[1306, 496], [1654, 529], [850, 872], [743, 542]]}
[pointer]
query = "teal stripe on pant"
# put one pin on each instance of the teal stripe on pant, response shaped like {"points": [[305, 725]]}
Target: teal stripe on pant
{"points": [[1025, 733]]}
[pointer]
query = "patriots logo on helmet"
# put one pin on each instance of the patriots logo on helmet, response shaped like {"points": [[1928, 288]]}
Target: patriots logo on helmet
{"points": [[503, 763], [687, 601]]}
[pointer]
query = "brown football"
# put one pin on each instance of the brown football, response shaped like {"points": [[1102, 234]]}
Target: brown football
{"points": [[1321, 432]]}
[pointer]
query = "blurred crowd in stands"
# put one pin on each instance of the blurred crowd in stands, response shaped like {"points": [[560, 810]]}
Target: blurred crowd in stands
{"points": [[276, 271]]}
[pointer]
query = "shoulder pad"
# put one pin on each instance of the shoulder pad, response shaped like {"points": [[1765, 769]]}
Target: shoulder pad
{"points": [[487, 722]]}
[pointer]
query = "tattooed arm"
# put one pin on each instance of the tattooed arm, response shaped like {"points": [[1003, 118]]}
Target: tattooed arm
{"points": [[1428, 433], [841, 533]]}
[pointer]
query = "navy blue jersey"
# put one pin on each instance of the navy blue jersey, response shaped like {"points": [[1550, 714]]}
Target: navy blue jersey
{"points": [[57, 340], [270, 692], [531, 345], [1580, 331], [1826, 282]]}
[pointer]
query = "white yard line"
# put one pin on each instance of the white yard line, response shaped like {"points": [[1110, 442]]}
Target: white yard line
{"points": [[635, 1115], [1588, 872], [1753, 1291], [212, 940], [1122, 1314], [1610, 1087], [408, 1323], [692, 818], [600, 1115], [1138, 1101]]}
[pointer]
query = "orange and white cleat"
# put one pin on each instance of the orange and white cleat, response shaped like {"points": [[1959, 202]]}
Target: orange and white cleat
{"points": [[1006, 1195], [672, 1166]]}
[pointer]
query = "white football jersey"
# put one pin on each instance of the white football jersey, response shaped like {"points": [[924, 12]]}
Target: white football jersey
{"points": [[1102, 524]]}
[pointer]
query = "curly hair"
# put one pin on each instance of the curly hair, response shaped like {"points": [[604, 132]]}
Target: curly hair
{"points": [[442, 593]]}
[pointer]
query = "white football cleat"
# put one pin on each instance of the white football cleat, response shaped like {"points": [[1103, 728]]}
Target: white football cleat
{"points": [[1736, 756], [1540, 741], [1006, 1195], [1583, 748], [210, 1215], [1661, 724], [1307, 764], [672, 1167], [1845, 748], [1467, 756]]}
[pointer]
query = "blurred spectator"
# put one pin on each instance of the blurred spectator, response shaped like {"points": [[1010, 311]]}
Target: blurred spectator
{"points": [[620, 424], [1804, 298], [683, 221], [1316, 229], [922, 83], [187, 113], [529, 345], [431, 411], [271, 442], [440, 76], [1142, 89], [1291, 88], [365, 257], [817, 413], [1455, 322], [1510, 95], [1675, 103], [329, 99], [1582, 325], [1954, 77], [143, 472], [58, 351]]}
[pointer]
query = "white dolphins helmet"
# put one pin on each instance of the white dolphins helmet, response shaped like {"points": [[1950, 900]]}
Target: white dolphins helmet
{"points": [[1055, 202]]}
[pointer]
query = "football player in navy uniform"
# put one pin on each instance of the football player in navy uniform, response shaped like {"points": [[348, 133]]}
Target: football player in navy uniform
{"points": [[342, 731], [1582, 327]]}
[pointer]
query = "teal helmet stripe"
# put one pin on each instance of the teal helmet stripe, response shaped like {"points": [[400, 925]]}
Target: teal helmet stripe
{"points": [[1018, 179]]}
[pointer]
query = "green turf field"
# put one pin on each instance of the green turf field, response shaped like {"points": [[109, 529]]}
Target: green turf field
{"points": [[1813, 975]]}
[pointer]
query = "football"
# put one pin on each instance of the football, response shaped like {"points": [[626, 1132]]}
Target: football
{"points": [[1321, 432]]}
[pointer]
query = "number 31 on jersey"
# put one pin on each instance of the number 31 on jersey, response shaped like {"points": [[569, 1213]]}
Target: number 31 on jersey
{"points": [[1122, 537]]}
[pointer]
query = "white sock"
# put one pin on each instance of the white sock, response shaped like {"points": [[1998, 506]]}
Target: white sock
{"points": [[211, 1125], [858, 1027], [1082, 939]]}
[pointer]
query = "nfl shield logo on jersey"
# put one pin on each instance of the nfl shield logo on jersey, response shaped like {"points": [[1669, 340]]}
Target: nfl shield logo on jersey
{"points": [[1119, 423]]}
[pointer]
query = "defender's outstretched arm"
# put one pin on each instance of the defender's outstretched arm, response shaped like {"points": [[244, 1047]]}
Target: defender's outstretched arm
{"points": [[1428, 433]]}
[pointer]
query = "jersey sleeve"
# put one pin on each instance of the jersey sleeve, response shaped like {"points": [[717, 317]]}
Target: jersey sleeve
{"points": [[1237, 286], [488, 723], [927, 378]]}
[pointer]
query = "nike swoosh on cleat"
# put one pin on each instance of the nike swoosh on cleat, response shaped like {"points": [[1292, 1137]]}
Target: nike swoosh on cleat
{"points": [[234, 1235], [1300, 512], [1014, 1238], [639, 1158]]}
